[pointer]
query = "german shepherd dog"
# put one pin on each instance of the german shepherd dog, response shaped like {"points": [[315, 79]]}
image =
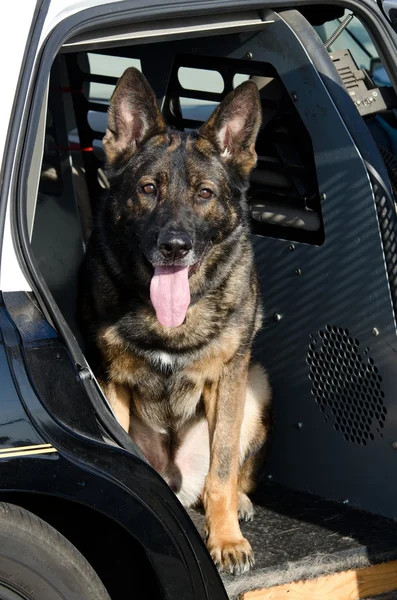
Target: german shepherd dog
{"points": [[169, 299]]}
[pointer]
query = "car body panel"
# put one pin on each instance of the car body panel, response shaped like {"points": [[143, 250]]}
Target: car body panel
{"points": [[84, 468]]}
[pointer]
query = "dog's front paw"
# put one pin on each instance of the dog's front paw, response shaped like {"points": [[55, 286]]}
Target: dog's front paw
{"points": [[231, 556]]}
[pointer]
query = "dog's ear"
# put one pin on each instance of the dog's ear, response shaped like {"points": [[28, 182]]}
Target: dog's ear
{"points": [[133, 116], [234, 126]]}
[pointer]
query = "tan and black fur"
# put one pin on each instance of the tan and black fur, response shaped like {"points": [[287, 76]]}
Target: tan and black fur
{"points": [[188, 395]]}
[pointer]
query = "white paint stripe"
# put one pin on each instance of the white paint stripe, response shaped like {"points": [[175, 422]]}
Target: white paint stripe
{"points": [[23, 448], [29, 453]]}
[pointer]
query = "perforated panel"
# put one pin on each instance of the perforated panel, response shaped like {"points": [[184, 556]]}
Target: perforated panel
{"points": [[344, 284], [346, 385]]}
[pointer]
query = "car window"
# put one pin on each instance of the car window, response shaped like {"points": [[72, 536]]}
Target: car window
{"points": [[356, 39]]}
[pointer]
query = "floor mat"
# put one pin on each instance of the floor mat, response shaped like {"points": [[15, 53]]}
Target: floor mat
{"points": [[299, 536]]}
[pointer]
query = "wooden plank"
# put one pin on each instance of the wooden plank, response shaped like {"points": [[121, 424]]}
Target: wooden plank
{"points": [[347, 585]]}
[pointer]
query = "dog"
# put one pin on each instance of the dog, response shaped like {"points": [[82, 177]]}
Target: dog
{"points": [[170, 303]]}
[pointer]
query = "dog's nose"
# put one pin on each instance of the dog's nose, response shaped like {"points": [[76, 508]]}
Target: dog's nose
{"points": [[174, 244]]}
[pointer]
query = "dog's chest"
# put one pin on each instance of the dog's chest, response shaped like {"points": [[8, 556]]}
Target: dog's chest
{"points": [[166, 398], [165, 361]]}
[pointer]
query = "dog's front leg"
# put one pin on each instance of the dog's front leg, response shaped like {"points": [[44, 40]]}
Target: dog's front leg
{"points": [[224, 404], [119, 398]]}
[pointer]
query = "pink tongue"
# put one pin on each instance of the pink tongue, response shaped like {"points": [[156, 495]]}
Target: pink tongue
{"points": [[170, 294]]}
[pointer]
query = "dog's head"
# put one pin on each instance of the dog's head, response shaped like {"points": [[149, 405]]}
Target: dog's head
{"points": [[179, 194]]}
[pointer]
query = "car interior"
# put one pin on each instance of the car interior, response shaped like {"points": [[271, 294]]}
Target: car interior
{"points": [[323, 222]]}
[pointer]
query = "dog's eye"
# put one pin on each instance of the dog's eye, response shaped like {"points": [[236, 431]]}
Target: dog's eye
{"points": [[149, 188], [205, 194]]}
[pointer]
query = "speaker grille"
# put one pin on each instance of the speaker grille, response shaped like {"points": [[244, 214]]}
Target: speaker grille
{"points": [[346, 385]]}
